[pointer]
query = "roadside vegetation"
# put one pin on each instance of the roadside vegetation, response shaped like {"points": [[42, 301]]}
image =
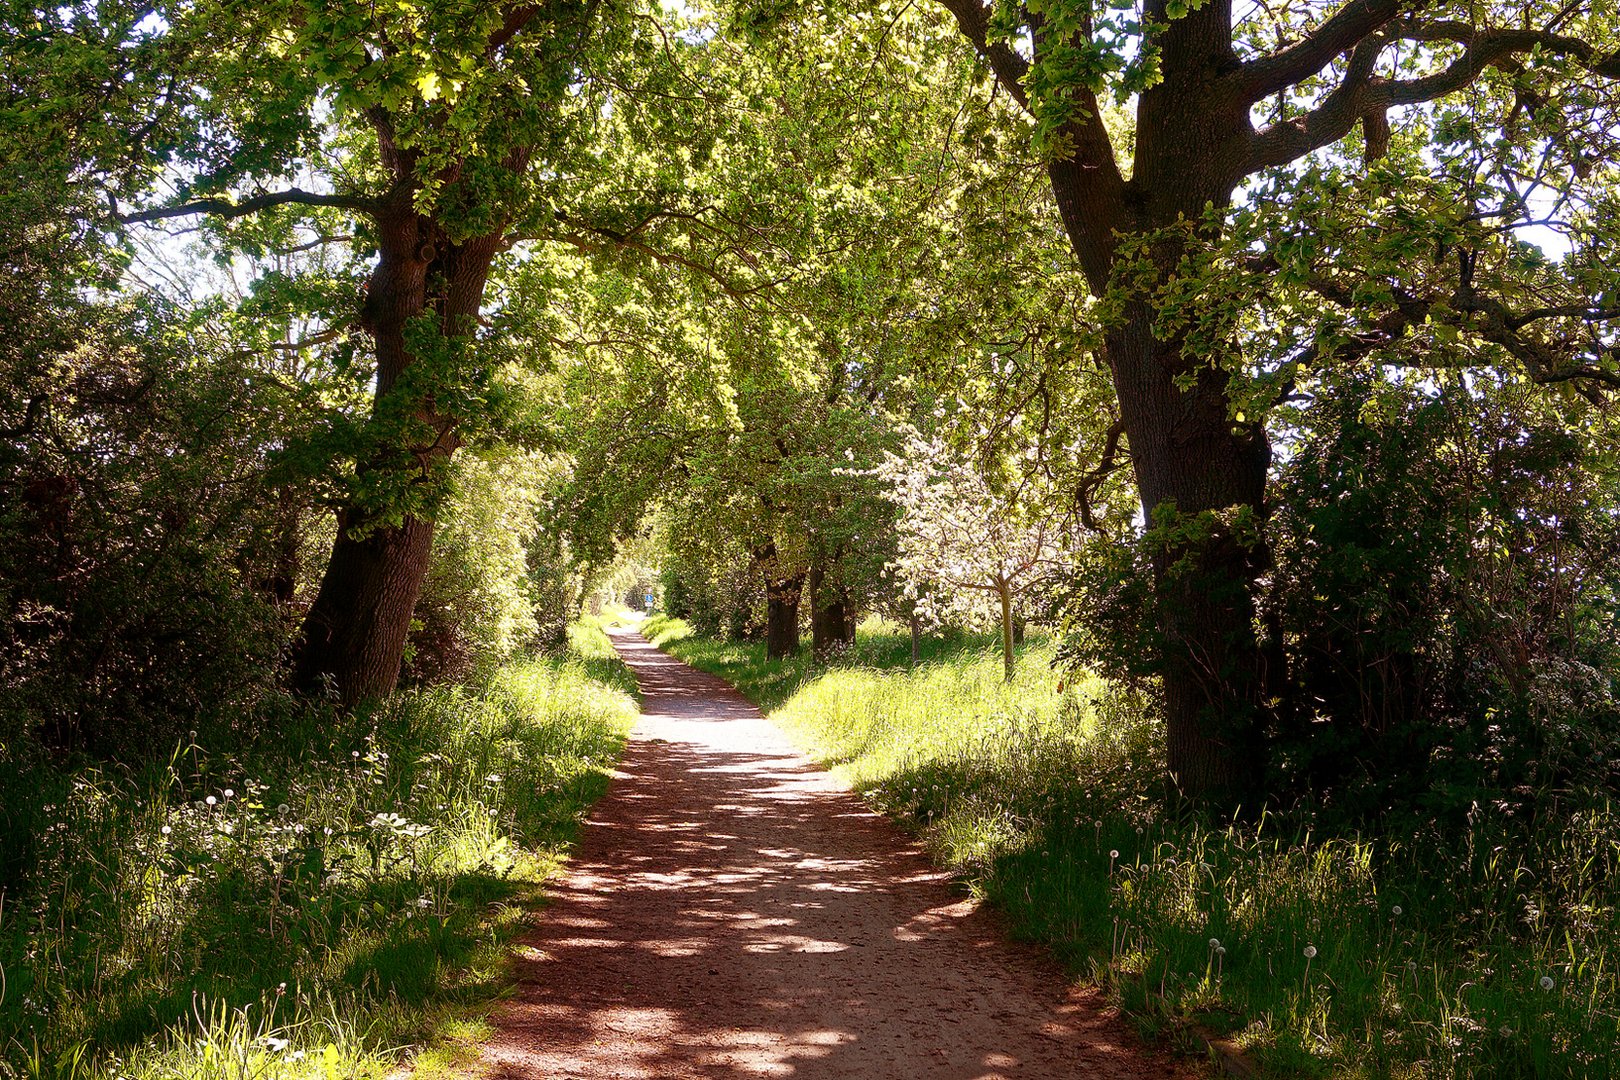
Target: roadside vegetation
{"points": [[1319, 952], [307, 902]]}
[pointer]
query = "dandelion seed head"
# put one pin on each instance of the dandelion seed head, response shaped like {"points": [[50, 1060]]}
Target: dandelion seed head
{"points": [[1214, 943], [211, 800], [1114, 854], [1310, 952], [1546, 982], [1396, 910]]}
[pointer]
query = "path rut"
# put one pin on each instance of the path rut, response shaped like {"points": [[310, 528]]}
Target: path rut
{"points": [[732, 912]]}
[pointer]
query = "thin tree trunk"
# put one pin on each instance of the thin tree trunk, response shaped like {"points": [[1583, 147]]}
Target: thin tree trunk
{"points": [[916, 639], [1004, 590]]}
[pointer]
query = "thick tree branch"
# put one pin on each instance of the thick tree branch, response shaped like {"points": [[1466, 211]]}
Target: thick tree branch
{"points": [[974, 20], [515, 21], [225, 208], [1348, 28], [1466, 309], [1362, 93]]}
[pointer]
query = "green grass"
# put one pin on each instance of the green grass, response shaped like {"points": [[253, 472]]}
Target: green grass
{"points": [[1429, 950], [310, 904]]}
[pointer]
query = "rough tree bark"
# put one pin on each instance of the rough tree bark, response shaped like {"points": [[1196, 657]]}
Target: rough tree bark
{"points": [[355, 632], [1192, 140], [832, 623], [782, 616]]}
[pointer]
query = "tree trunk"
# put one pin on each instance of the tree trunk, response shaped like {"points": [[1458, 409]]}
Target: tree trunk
{"points": [[831, 624], [1188, 451], [1203, 477], [916, 638], [354, 634], [782, 616], [1004, 591]]}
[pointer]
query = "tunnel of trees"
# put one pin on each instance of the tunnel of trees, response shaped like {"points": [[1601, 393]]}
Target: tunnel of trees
{"points": [[1266, 352]]}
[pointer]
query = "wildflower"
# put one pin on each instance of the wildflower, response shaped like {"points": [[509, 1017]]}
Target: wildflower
{"points": [[1546, 982], [210, 800], [165, 830], [354, 753], [229, 794], [1310, 952], [423, 902]]}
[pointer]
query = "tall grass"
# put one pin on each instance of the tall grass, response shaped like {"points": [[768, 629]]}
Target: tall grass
{"points": [[308, 904], [1489, 953]]}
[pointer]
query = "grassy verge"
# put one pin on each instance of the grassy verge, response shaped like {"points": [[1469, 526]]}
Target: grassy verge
{"points": [[310, 904], [1489, 953]]}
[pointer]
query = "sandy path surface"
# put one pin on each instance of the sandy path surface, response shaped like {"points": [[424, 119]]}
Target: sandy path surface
{"points": [[732, 912]]}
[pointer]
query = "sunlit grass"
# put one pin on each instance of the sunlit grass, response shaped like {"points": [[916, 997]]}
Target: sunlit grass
{"points": [[310, 905], [1486, 954]]}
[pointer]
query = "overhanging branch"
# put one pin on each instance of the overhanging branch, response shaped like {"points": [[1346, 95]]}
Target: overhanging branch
{"points": [[225, 208]]}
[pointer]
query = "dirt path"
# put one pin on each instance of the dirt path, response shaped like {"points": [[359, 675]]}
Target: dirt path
{"points": [[732, 912]]}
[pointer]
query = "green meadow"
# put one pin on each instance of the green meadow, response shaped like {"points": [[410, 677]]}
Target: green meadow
{"points": [[306, 900]]}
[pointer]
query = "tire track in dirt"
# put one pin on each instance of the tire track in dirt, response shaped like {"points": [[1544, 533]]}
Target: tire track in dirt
{"points": [[732, 912]]}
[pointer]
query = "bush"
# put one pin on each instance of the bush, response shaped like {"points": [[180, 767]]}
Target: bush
{"points": [[141, 528]]}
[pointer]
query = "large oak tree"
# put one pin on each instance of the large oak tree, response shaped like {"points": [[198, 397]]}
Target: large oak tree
{"points": [[1235, 242]]}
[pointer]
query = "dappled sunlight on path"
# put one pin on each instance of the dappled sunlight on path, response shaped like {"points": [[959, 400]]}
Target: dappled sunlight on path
{"points": [[731, 912]]}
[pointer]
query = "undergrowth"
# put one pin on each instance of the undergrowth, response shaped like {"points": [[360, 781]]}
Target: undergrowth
{"points": [[1489, 953], [310, 904]]}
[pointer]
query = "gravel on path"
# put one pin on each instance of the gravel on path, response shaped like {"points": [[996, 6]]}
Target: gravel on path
{"points": [[733, 912]]}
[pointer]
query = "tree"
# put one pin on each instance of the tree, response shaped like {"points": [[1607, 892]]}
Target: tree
{"points": [[961, 541], [433, 138], [1196, 224]]}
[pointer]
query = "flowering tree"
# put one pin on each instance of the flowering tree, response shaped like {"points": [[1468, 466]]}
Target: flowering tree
{"points": [[964, 548]]}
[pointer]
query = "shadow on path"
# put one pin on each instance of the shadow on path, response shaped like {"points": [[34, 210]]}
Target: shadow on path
{"points": [[731, 912]]}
